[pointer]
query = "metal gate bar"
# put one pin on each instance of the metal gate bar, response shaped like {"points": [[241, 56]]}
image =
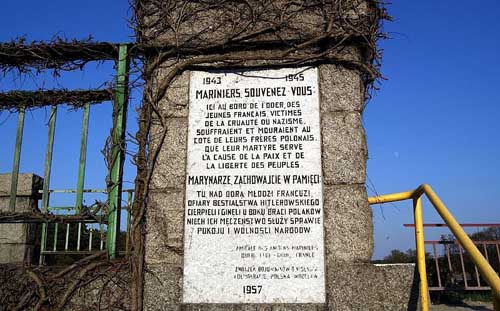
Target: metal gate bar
{"points": [[46, 177], [17, 158], [117, 154]]}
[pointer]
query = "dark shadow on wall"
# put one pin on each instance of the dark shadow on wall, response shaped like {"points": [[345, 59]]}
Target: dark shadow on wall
{"points": [[414, 292]]}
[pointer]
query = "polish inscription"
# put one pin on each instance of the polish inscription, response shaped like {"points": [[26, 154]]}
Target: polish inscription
{"points": [[254, 207]]}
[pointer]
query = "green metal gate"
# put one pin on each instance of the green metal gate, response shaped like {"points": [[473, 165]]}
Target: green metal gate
{"points": [[106, 217]]}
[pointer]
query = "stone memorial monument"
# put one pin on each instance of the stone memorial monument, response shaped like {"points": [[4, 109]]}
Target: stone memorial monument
{"points": [[258, 200]]}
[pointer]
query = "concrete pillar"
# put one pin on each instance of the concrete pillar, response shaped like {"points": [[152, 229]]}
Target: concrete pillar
{"points": [[352, 283], [17, 241]]}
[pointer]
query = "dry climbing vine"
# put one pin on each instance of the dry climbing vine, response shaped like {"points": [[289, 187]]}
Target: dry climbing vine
{"points": [[75, 99], [58, 54], [41, 288]]}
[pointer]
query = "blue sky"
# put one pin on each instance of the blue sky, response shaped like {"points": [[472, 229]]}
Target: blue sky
{"points": [[434, 120], [42, 20]]}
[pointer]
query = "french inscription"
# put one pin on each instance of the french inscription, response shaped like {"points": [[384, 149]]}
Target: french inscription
{"points": [[254, 207]]}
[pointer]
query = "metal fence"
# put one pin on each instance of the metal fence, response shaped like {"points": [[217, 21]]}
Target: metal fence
{"points": [[450, 266], [83, 238], [101, 229]]}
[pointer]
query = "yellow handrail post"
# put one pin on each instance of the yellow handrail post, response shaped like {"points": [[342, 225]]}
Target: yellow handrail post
{"points": [[419, 241], [393, 197], [481, 263]]}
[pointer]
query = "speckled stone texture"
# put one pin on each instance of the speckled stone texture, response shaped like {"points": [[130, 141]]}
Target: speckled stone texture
{"points": [[17, 240], [170, 170], [355, 286], [27, 186], [344, 148], [165, 223], [348, 228]]}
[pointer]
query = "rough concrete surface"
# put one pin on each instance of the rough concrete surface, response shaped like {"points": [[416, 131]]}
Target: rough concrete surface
{"points": [[372, 287], [170, 169], [340, 89], [163, 290], [164, 227], [16, 240], [15, 252], [348, 224], [27, 184], [344, 148], [175, 103]]}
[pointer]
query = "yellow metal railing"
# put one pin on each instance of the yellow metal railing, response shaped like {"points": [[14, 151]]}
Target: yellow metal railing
{"points": [[482, 264]]}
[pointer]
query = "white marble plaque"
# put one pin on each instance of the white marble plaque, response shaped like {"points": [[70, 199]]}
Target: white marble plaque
{"points": [[254, 205]]}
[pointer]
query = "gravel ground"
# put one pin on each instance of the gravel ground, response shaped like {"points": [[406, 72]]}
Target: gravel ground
{"points": [[467, 306]]}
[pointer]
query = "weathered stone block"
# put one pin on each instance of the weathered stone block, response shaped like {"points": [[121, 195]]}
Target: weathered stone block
{"points": [[340, 89], [170, 168], [167, 199], [27, 195], [16, 240], [298, 307], [23, 204], [17, 233], [209, 307], [344, 148], [348, 224], [164, 226], [175, 103], [372, 287], [27, 185], [253, 307], [162, 288], [160, 250], [10, 253]]}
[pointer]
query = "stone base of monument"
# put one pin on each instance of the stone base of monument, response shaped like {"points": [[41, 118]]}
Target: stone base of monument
{"points": [[354, 287], [17, 240], [374, 287]]}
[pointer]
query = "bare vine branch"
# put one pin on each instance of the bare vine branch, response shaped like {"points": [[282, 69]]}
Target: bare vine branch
{"points": [[35, 99]]}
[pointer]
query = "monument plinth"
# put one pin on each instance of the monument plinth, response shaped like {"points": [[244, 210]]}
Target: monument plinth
{"points": [[257, 200]]}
